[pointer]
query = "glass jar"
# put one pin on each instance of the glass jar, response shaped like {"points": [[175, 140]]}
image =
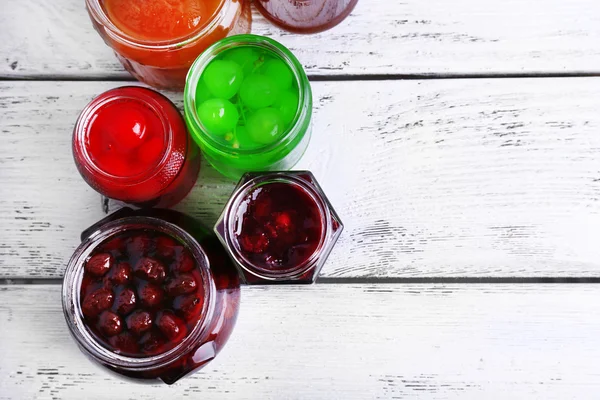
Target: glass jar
{"points": [[164, 63], [131, 144], [279, 227], [210, 327], [287, 147], [305, 16]]}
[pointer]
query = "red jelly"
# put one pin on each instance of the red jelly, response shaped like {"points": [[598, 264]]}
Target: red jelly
{"points": [[279, 227], [131, 144], [149, 299]]}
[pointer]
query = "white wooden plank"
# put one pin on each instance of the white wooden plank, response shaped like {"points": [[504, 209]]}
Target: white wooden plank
{"points": [[56, 38], [364, 342], [468, 178]]}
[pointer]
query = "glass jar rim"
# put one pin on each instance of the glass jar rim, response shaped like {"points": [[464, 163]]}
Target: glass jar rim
{"points": [[230, 215], [303, 112], [72, 284], [84, 120], [97, 12]]}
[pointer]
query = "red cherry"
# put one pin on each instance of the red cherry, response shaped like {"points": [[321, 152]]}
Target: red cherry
{"points": [[183, 262], [189, 307], [150, 295], [171, 326], [262, 206], [121, 274], [182, 284], [110, 323], [96, 302], [254, 243], [152, 343], [283, 222], [140, 245], [129, 130], [115, 244], [165, 246], [99, 264], [139, 322], [150, 269], [150, 153], [125, 302], [125, 343]]}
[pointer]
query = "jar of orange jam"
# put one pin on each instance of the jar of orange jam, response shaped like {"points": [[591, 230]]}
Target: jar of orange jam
{"points": [[158, 40]]}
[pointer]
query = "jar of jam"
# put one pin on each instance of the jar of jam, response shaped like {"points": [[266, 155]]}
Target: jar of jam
{"points": [[131, 144], [157, 40], [248, 104], [305, 16], [150, 294], [279, 227]]}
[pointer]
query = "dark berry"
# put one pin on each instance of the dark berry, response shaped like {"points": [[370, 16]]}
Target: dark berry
{"points": [[150, 295], [99, 264], [171, 326], [182, 284], [96, 302], [121, 274], [125, 302], [139, 322], [110, 323], [150, 269], [140, 245], [165, 246], [183, 263], [254, 243], [152, 343], [283, 222], [125, 343], [188, 307], [262, 206], [116, 244]]}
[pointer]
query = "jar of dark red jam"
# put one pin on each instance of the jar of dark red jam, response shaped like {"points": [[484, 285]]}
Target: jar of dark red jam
{"points": [[131, 144], [279, 227], [150, 294]]}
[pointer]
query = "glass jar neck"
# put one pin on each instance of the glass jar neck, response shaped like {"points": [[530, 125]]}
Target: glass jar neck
{"points": [[299, 124], [231, 214], [72, 301], [83, 128], [99, 15]]}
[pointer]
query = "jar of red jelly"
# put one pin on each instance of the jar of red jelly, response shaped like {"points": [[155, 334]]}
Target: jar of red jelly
{"points": [[305, 16], [279, 227], [157, 40], [131, 144], [150, 294]]}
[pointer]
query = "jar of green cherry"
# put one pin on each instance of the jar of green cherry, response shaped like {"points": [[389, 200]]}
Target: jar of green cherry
{"points": [[248, 105]]}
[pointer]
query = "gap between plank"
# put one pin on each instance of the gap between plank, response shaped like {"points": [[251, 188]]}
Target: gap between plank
{"points": [[331, 78], [375, 280]]}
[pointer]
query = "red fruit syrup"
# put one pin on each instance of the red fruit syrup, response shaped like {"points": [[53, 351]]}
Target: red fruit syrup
{"points": [[279, 227], [151, 294], [131, 144]]}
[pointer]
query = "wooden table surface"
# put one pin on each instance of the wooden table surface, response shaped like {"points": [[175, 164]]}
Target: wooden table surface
{"points": [[459, 142]]}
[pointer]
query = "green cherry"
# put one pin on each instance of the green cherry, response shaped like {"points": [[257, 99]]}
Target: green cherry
{"points": [[219, 116], [259, 91], [245, 57], [265, 125], [280, 73], [223, 78], [287, 103]]}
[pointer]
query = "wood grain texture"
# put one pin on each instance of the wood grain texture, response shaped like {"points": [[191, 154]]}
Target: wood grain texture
{"points": [[56, 39], [440, 178], [365, 342]]}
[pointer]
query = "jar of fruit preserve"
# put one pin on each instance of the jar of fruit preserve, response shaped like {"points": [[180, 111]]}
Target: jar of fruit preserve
{"points": [[131, 144], [157, 40], [279, 227], [248, 104], [150, 294], [305, 16]]}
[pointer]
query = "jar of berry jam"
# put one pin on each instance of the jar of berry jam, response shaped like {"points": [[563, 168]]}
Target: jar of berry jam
{"points": [[157, 41], [279, 227], [131, 144], [150, 294], [305, 16], [248, 104]]}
